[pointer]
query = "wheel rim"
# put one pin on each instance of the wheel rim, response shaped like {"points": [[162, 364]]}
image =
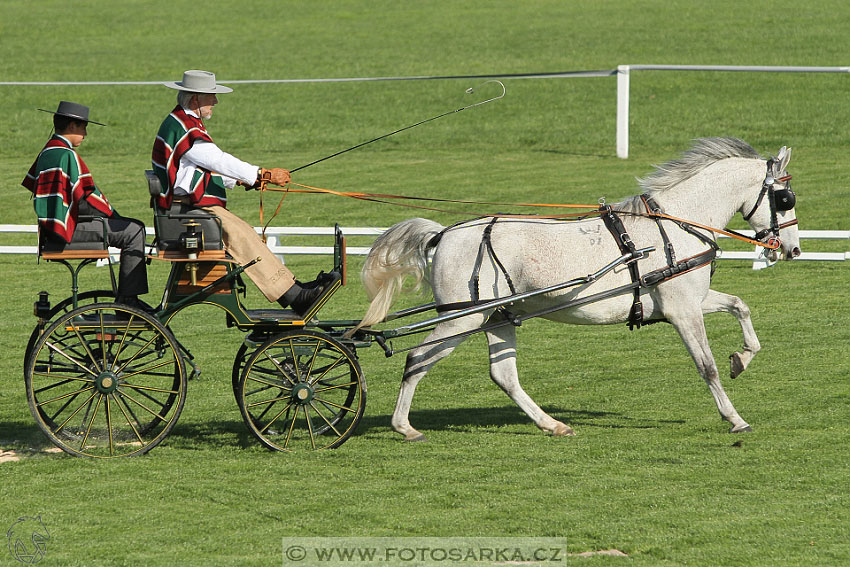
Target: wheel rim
{"points": [[302, 391], [106, 380]]}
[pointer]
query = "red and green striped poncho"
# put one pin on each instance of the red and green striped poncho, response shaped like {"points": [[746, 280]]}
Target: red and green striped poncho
{"points": [[176, 135], [59, 180]]}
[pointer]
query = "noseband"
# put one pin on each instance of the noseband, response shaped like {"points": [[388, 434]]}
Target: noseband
{"points": [[779, 200]]}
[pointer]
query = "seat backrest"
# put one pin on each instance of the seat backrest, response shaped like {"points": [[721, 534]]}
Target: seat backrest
{"points": [[50, 243], [154, 186], [170, 224]]}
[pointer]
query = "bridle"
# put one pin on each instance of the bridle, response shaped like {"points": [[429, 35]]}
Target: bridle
{"points": [[779, 200]]}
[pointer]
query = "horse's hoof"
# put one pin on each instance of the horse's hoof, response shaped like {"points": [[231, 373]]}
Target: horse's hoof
{"points": [[736, 365], [415, 438], [562, 430], [744, 429]]}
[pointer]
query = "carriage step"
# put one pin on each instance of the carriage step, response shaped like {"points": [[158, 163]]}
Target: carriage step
{"points": [[273, 315]]}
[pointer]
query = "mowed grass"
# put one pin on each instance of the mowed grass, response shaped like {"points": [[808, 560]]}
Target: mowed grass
{"points": [[652, 471]]}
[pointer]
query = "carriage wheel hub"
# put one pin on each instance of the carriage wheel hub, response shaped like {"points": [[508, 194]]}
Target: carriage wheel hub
{"points": [[106, 382], [302, 394]]}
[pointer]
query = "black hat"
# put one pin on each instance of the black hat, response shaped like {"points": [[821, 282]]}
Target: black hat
{"points": [[73, 110]]}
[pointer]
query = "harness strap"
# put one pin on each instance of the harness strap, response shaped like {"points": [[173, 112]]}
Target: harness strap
{"points": [[655, 209], [674, 268], [624, 242], [669, 272], [487, 232], [487, 244], [627, 246]]}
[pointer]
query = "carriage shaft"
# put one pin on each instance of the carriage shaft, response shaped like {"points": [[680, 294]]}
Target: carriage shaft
{"points": [[491, 304]]}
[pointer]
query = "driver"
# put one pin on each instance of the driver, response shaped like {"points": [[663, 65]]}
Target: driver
{"points": [[194, 172]]}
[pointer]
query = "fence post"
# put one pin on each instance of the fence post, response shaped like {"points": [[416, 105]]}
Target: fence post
{"points": [[622, 111]]}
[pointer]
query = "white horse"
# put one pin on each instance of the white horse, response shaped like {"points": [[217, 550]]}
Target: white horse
{"points": [[712, 181]]}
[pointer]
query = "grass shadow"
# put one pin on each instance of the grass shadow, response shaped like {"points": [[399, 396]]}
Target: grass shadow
{"points": [[476, 417], [21, 436]]}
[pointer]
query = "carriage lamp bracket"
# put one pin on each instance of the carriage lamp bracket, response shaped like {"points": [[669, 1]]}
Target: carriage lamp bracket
{"points": [[41, 308]]}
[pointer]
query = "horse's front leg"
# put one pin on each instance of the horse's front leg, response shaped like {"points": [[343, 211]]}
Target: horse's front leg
{"points": [[691, 328], [715, 302], [503, 371]]}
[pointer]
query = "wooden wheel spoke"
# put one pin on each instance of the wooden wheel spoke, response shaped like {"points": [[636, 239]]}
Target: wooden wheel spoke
{"points": [[335, 387], [291, 428], [63, 381], [332, 404], [327, 422], [73, 361], [91, 422], [76, 411], [143, 406], [333, 365], [130, 417]]}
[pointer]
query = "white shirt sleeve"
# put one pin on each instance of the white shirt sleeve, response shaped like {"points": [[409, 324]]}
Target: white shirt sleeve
{"points": [[208, 156]]}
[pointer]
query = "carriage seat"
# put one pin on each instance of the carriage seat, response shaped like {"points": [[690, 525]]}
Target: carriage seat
{"points": [[170, 224], [52, 247]]}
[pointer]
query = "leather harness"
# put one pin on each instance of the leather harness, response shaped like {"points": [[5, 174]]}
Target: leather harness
{"points": [[626, 245], [655, 277]]}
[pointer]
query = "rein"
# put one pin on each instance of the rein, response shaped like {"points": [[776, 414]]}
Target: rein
{"points": [[385, 198]]}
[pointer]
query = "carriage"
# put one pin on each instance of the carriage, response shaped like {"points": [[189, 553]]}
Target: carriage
{"points": [[104, 379], [107, 380]]}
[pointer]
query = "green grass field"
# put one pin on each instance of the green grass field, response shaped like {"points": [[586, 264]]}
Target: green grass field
{"points": [[652, 471]]}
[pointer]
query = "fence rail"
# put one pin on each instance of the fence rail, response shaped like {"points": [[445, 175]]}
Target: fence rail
{"points": [[622, 72], [274, 234]]}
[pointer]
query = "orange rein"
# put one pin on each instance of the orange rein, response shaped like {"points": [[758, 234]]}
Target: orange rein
{"points": [[772, 244]]}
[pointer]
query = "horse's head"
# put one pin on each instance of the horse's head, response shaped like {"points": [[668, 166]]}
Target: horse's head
{"points": [[772, 214]]}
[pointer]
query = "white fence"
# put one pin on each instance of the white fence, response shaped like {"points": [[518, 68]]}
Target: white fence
{"points": [[274, 234]]}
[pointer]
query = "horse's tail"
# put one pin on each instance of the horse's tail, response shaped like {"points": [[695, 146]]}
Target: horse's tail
{"points": [[399, 252]]}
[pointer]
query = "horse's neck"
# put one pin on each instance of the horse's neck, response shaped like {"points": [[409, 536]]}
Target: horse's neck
{"points": [[714, 195]]}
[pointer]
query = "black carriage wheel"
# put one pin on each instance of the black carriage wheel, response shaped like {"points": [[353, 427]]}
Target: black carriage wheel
{"points": [[65, 306], [302, 390], [106, 380]]}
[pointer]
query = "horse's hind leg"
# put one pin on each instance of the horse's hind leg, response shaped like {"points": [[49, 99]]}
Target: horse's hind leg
{"points": [[691, 328], [419, 361], [503, 371], [715, 302]]}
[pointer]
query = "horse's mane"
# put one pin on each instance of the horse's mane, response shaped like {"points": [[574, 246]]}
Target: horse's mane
{"points": [[703, 153]]}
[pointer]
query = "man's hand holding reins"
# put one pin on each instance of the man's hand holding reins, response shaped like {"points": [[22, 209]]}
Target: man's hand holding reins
{"points": [[275, 176]]}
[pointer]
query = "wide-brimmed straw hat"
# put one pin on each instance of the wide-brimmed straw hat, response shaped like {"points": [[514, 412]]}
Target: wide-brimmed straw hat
{"points": [[73, 110], [198, 82]]}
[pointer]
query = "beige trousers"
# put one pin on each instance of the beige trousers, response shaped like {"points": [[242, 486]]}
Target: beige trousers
{"points": [[244, 244]]}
